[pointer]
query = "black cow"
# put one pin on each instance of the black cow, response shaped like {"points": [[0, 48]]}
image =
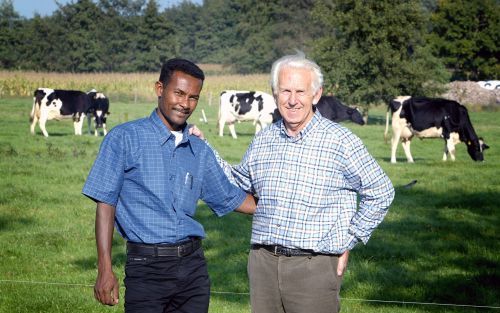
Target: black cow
{"points": [[99, 111], [331, 108], [57, 104], [432, 118]]}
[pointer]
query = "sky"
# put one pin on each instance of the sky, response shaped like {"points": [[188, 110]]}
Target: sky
{"points": [[27, 8]]}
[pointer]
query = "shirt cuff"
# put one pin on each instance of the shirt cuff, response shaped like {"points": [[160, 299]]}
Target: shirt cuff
{"points": [[352, 241]]}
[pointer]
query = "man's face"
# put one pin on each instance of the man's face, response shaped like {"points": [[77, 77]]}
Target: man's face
{"points": [[295, 98], [178, 99]]}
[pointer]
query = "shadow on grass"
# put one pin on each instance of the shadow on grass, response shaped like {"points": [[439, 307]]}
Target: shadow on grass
{"points": [[53, 134], [402, 159], [118, 256], [242, 134], [446, 251], [376, 120], [226, 249], [9, 222]]}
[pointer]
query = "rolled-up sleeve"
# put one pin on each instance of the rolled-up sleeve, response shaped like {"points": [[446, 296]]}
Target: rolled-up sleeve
{"points": [[105, 179], [218, 192], [237, 175]]}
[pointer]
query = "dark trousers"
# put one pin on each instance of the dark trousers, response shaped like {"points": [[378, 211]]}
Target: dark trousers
{"points": [[167, 284]]}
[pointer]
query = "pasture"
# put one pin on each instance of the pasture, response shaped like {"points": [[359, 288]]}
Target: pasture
{"points": [[436, 251]]}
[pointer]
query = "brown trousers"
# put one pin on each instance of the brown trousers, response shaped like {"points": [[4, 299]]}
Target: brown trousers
{"points": [[296, 284]]}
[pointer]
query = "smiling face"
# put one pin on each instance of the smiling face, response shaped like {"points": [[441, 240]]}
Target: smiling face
{"points": [[178, 99], [295, 98]]}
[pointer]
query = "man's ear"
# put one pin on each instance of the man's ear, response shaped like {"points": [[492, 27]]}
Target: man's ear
{"points": [[317, 95], [158, 88]]}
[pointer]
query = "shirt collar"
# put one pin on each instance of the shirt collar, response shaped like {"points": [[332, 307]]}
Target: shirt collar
{"points": [[164, 133], [309, 128]]}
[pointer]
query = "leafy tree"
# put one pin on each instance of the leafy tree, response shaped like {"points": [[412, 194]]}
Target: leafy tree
{"points": [[269, 29], [186, 21], [123, 8], [76, 43], [10, 22], [216, 34], [39, 50], [429, 5], [371, 51], [466, 36], [154, 40], [118, 32], [254, 53]]}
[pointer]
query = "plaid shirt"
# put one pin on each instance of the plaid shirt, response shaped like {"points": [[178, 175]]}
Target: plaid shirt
{"points": [[308, 187], [155, 185]]}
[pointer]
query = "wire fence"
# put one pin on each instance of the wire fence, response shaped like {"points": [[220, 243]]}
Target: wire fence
{"points": [[62, 284]]}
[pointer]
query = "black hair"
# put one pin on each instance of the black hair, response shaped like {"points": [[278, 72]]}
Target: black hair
{"points": [[178, 64]]}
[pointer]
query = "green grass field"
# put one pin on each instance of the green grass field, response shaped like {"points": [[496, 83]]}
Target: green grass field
{"points": [[438, 250]]}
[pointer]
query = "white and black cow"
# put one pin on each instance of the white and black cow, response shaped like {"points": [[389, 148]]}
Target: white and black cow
{"points": [[98, 111], [432, 118], [57, 104], [333, 109], [237, 105]]}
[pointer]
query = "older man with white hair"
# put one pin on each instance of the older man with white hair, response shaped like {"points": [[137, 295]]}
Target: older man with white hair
{"points": [[308, 173]]}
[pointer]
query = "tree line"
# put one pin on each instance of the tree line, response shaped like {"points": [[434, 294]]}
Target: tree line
{"points": [[369, 50]]}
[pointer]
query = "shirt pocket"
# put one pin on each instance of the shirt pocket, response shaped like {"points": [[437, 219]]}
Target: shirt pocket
{"points": [[186, 192]]}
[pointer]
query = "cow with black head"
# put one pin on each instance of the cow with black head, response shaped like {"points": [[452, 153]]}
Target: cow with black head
{"points": [[333, 109], [57, 104], [98, 111], [432, 118]]}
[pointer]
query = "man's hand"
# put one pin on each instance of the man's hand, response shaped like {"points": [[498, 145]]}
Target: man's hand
{"points": [[342, 265], [193, 130], [107, 289]]}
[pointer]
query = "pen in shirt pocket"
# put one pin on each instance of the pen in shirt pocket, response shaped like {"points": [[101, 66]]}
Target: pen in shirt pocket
{"points": [[188, 181]]}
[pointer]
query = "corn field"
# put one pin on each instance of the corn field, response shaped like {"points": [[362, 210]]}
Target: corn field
{"points": [[126, 87]]}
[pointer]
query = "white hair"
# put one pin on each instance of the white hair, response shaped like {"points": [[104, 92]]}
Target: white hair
{"points": [[297, 60]]}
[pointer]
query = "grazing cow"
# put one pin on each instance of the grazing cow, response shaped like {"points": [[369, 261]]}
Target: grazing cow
{"points": [[98, 111], [331, 108], [238, 105], [432, 118], [57, 104]]}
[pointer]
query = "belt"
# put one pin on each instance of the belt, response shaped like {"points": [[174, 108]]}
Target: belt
{"points": [[179, 250], [280, 250]]}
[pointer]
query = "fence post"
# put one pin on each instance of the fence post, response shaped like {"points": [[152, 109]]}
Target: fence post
{"points": [[204, 116]]}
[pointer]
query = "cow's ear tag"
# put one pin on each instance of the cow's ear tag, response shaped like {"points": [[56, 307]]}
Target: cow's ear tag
{"points": [[468, 143]]}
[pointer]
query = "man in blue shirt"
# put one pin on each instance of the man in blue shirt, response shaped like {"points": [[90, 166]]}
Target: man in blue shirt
{"points": [[146, 180], [309, 174]]}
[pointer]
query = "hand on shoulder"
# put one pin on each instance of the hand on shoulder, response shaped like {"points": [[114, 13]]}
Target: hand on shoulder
{"points": [[195, 131]]}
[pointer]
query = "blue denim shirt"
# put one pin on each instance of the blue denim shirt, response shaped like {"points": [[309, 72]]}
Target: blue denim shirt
{"points": [[154, 185]]}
